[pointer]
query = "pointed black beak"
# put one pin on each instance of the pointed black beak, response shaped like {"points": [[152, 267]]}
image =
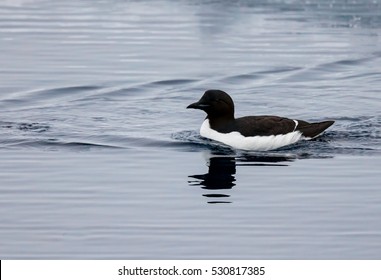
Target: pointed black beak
{"points": [[198, 105]]}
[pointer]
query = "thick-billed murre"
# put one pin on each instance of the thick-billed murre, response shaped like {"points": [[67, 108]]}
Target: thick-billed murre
{"points": [[258, 133]]}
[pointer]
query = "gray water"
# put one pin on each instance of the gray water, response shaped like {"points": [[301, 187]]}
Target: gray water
{"points": [[99, 159]]}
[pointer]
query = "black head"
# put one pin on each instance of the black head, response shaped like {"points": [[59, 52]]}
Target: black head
{"points": [[216, 103]]}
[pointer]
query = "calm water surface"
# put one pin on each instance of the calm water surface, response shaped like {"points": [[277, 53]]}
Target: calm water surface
{"points": [[99, 158]]}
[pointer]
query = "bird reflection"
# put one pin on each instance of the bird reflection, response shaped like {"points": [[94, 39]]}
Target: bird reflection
{"points": [[220, 174], [220, 177]]}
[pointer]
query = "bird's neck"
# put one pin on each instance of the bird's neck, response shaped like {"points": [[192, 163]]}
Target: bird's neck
{"points": [[219, 123]]}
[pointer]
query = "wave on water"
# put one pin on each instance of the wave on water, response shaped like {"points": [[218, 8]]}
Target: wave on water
{"points": [[54, 144], [36, 135], [34, 127], [131, 115], [349, 136]]}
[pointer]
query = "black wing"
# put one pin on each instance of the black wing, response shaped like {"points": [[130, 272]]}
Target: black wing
{"points": [[264, 125], [272, 125]]}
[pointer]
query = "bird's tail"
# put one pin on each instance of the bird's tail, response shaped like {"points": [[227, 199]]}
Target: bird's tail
{"points": [[312, 130]]}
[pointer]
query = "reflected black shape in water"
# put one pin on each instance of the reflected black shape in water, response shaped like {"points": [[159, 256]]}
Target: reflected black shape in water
{"points": [[222, 170], [216, 195], [220, 174]]}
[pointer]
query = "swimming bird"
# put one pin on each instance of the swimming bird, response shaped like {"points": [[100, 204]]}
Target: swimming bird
{"points": [[257, 133]]}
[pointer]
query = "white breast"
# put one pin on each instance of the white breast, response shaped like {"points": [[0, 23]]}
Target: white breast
{"points": [[253, 143]]}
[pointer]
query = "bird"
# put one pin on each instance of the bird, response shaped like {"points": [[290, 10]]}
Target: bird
{"points": [[251, 133]]}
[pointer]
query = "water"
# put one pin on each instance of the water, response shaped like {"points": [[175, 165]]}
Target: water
{"points": [[101, 160]]}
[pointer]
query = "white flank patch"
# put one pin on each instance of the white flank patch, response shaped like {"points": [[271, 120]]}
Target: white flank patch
{"points": [[252, 143]]}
